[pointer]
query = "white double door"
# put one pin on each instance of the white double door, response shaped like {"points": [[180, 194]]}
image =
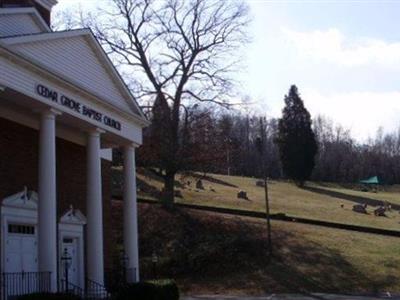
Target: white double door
{"points": [[20, 260], [21, 254]]}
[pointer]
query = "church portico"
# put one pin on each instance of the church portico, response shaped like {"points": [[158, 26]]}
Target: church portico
{"points": [[58, 125]]}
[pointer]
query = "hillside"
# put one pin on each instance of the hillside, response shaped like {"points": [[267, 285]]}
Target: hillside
{"points": [[216, 253], [315, 201]]}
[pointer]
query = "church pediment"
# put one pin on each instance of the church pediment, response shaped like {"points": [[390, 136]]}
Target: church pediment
{"points": [[73, 216], [25, 199], [77, 57]]}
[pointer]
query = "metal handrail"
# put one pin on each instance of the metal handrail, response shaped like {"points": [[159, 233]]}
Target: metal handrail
{"points": [[71, 288], [95, 290]]}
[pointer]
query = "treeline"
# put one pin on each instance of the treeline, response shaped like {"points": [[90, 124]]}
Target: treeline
{"points": [[225, 143], [342, 159]]}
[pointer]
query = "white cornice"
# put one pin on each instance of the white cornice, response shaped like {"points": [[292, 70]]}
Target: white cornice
{"points": [[48, 4], [87, 33], [142, 122], [47, 36], [24, 199]]}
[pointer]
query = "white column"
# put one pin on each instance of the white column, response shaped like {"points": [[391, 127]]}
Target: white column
{"points": [[94, 207], [130, 213], [47, 223]]}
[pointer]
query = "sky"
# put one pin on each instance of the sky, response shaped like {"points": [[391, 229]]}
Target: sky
{"points": [[343, 55]]}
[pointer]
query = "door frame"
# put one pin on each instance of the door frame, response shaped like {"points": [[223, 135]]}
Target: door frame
{"points": [[71, 225], [20, 208]]}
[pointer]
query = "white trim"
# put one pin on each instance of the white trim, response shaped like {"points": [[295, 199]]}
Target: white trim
{"points": [[28, 10], [48, 4], [75, 87], [87, 33], [23, 200], [74, 217], [46, 36]]}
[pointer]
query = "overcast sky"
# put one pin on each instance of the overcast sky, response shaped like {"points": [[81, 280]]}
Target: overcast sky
{"points": [[343, 55]]}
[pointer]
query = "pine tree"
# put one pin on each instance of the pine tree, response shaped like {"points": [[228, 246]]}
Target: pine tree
{"points": [[296, 139]]}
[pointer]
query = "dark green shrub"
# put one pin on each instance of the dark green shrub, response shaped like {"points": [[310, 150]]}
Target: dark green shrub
{"points": [[166, 289], [137, 291], [152, 290], [48, 296]]}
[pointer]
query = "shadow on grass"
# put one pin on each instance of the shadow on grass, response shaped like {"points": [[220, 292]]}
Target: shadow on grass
{"points": [[215, 253], [210, 179], [155, 175], [147, 188], [356, 199]]}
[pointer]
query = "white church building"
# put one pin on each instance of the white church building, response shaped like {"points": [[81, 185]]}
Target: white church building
{"points": [[63, 107]]}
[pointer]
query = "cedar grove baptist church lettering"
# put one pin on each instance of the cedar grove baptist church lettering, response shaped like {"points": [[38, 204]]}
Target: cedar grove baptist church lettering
{"points": [[76, 106]]}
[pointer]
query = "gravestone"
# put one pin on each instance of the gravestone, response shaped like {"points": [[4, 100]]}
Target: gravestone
{"points": [[360, 208], [242, 195], [199, 185], [380, 211], [260, 183]]}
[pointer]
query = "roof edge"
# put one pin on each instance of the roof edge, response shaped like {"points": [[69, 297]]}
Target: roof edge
{"points": [[48, 4], [140, 120], [85, 32]]}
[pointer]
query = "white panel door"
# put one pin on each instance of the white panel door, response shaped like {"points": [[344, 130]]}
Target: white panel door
{"points": [[21, 249], [71, 245], [21, 260]]}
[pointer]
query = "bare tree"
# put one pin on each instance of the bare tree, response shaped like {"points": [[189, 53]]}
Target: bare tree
{"points": [[180, 52]]}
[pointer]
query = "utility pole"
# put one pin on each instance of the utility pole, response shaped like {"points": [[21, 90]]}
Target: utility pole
{"points": [[260, 143]]}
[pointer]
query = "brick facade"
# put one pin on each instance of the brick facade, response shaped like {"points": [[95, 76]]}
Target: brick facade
{"points": [[19, 168]]}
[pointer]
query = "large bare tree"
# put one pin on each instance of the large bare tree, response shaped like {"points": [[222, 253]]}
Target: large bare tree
{"points": [[180, 52]]}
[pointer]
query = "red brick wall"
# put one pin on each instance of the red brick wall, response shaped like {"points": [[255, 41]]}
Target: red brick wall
{"points": [[19, 168]]}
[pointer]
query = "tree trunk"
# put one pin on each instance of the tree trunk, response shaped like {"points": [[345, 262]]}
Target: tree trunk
{"points": [[168, 193]]}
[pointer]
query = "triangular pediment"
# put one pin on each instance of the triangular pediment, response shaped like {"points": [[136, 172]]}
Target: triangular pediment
{"points": [[73, 216], [77, 57], [25, 199], [16, 21]]}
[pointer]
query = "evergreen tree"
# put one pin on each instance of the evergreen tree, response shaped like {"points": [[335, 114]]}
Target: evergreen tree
{"points": [[296, 139]]}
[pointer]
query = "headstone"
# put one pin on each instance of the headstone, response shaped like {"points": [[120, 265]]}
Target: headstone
{"points": [[242, 195], [199, 185], [260, 183], [360, 208], [380, 211]]}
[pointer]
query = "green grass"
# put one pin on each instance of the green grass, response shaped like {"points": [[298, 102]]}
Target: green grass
{"points": [[219, 254], [315, 201]]}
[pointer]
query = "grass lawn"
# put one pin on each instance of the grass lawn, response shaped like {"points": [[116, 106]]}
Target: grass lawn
{"points": [[315, 201], [215, 253]]}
